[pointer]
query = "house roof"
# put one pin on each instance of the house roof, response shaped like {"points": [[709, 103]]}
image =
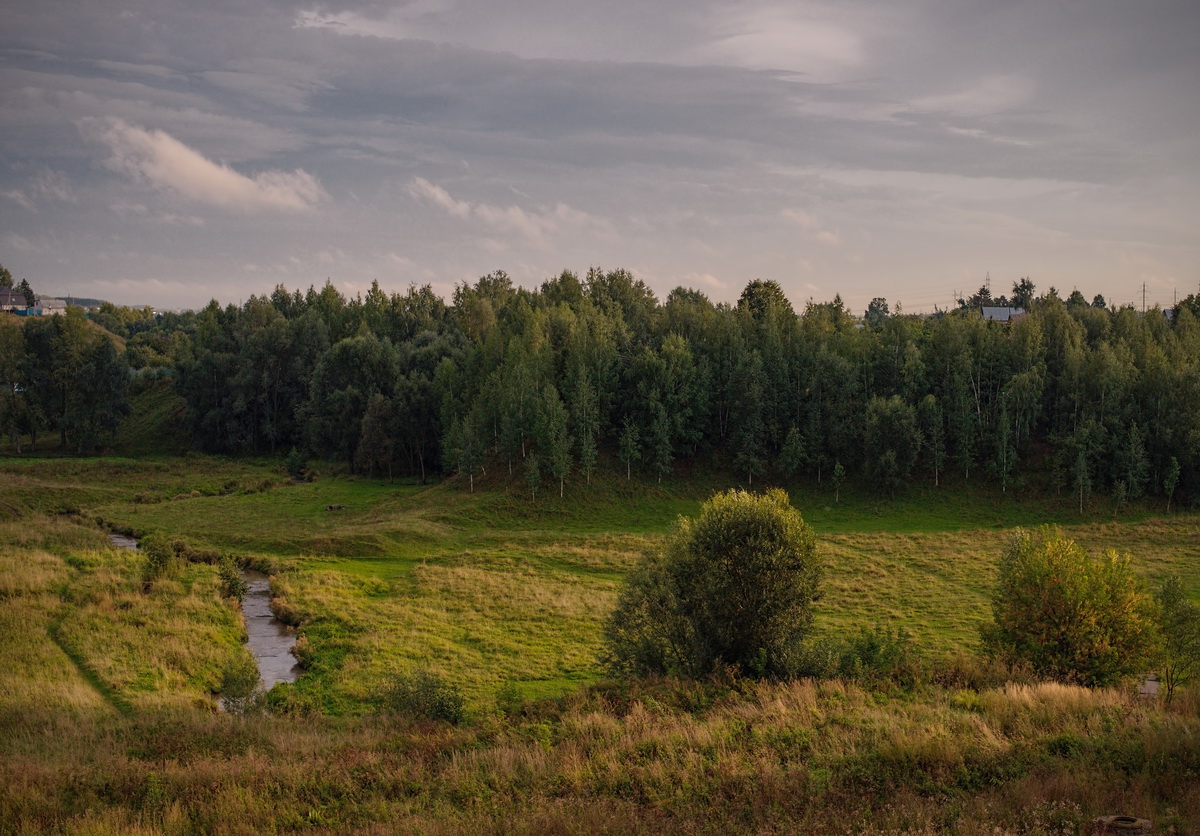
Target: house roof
{"points": [[10, 298], [999, 314]]}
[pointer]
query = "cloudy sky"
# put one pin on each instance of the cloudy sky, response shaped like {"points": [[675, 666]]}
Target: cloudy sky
{"points": [[167, 152]]}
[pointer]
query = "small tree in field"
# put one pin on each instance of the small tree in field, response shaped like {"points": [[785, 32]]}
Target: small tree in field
{"points": [[1180, 660], [1069, 615], [733, 588], [1171, 481]]}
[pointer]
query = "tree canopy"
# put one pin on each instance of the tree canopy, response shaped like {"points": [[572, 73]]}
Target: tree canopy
{"points": [[733, 588]]}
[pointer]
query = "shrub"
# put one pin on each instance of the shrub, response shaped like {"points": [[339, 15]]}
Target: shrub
{"points": [[1068, 615], [240, 691], [232, 583], [871, 655], [423, 695], [159, 558], [733, 589], [296, 464]]}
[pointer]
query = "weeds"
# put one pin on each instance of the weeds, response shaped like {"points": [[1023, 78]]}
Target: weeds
{"points": [[422, 695]]}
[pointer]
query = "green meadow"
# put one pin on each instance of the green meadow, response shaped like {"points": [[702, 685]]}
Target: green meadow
{"points": [[504, 596], [495, 589]]}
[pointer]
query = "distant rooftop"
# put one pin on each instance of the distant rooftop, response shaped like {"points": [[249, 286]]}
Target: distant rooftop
{"points": [[999, 314]]}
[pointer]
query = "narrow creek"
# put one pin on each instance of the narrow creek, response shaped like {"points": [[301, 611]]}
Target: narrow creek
{"points": [[268, 638]]}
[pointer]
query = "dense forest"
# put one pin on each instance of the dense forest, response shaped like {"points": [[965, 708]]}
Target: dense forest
{"points": [[543, 382]]}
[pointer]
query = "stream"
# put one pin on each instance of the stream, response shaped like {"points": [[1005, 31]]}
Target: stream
{"points": [[268, 638]]}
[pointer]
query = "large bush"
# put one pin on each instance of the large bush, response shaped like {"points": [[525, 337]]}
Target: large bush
{"points": [[1069, 615], [732, 589]]}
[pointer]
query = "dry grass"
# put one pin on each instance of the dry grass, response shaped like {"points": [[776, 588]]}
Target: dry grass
{"points": [[90, 635], [780, 758]]}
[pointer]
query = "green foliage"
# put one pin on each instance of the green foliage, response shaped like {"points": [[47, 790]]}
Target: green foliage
{"points": [[876, 312], [1180, 625], [1069, 615], [240, 690], [1104, 392], [838, 478], [733, 588], [160, 557], [14, 404], [74, 380], [424, 695], [296, 465], [27, 291], [1171, 481], [375, 447], [893, 441], [870, 655], [794, 455], [232, 583]]}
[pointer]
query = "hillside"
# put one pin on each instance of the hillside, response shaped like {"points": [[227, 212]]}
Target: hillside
{"points": [[504, 597]]}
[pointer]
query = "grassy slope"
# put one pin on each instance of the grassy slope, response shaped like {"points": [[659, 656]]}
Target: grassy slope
{"points": [[492, 588]]}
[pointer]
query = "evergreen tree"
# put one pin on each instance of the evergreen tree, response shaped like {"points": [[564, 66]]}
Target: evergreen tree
{"points": [[794, 454], [27, 292]]}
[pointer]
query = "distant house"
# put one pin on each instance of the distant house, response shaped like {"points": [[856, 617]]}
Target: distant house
{"points": [[997, 314], [45, 306], [12, 300]]}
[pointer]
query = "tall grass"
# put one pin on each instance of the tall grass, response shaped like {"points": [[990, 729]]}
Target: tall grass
{"points": [[770, 758], [504, 600]]}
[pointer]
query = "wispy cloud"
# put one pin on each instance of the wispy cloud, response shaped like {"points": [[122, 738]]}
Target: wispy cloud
{"points": [[813, 226], [162, 161], [988, 95], [786, 37], [536, 226], [47, 185]]}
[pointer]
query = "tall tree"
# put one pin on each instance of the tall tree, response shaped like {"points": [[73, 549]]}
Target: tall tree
{"points": [[933, 432], [98, 403], [794, 454], [554, 440], [13, 383], [893, 441], [629, 449], [375, 447]]}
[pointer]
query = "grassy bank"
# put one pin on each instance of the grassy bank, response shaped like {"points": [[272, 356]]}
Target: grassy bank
{"points": [[106, 695], [827, 757], [494, 590]]}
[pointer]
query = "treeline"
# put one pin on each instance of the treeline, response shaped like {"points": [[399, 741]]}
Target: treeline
{"points": [[1103, 399], [61, 374]]}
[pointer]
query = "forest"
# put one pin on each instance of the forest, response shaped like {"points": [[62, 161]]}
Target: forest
{"points": [[542, 381]]}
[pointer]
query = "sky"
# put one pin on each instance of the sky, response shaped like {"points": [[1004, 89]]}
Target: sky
{"points": [[169, 152]]}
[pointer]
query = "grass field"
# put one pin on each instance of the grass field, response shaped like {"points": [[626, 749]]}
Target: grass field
{"points": [[493, 589], [106, 695]]}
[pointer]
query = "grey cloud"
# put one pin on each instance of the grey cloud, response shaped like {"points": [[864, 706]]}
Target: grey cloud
{"points": [[945, 137]]}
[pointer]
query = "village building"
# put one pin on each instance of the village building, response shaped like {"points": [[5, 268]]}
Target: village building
{"points": [[12, 300], [1002, 314]]}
